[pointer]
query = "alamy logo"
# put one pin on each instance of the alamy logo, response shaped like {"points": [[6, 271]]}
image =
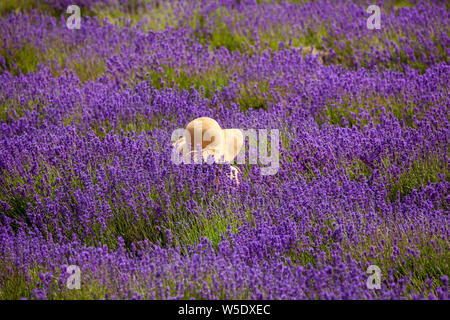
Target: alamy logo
{"points": [[74, 21], [374, 21], [374, 279], [74, 280]]}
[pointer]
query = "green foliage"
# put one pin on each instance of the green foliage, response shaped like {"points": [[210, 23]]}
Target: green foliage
{"points": [[21, 60], [418, 175], [16, 6], [206, 82]]}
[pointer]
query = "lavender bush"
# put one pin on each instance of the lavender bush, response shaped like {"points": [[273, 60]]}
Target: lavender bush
{"points": [[86, 176]]}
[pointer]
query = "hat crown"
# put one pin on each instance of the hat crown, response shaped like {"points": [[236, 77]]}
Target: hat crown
{"points": [[205, 132]]}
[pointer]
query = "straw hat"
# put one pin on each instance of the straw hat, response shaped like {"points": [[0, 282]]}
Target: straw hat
{"points": [[222, 144]]}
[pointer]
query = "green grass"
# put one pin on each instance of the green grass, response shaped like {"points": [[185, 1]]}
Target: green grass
{"points": [[423, 171], [418, 175], [21, 60], [346, 112], [206, 82], [158, 18], [12, 108], [26, 58], [16, 6], [26, 6]]}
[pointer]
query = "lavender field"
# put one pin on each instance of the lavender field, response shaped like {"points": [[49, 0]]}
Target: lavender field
{"points": [[86, 175]]}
